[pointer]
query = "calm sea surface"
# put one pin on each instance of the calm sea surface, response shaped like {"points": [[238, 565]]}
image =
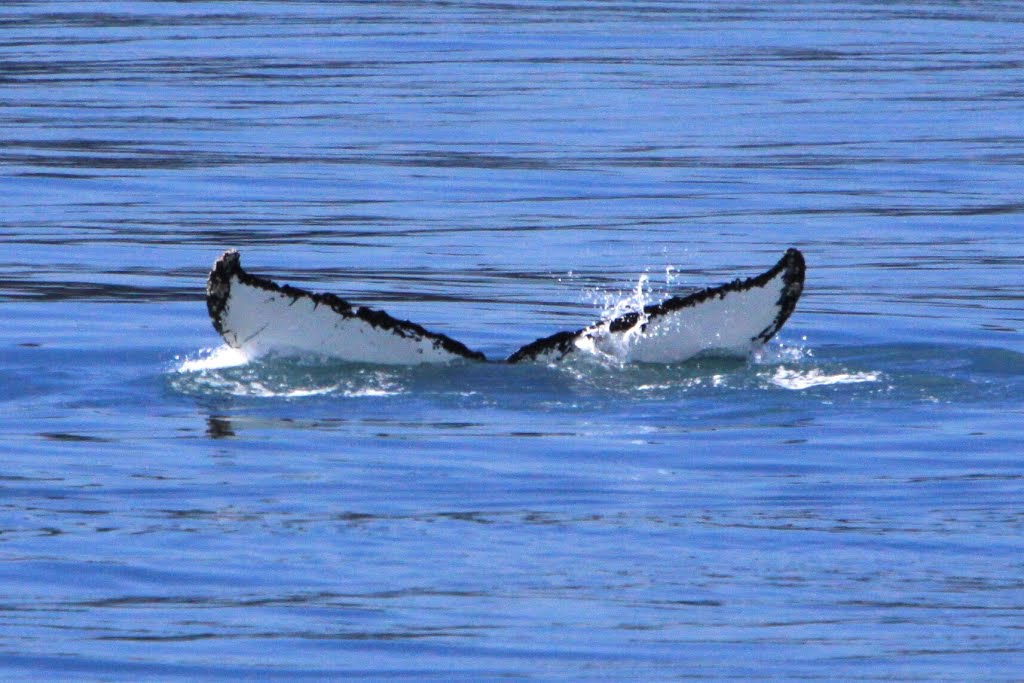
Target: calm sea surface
{"points": [[848, 505]]}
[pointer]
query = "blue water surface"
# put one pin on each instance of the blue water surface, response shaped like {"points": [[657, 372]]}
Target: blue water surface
{"points": [[846, 505]]}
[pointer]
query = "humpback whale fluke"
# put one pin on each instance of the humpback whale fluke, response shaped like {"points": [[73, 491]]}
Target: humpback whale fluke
{"points": [[259, 316], [732, 319]]}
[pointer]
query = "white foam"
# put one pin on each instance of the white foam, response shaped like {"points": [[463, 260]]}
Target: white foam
{"points": [[369, 392], [253, 385], [798, 380], [261, 390], [204, 370]]}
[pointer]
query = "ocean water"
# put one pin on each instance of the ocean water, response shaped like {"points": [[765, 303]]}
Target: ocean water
{"points": [[846, 505]]}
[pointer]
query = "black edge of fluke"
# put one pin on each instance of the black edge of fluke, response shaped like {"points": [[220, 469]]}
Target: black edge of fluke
{"points": [[791, 265], [793, 268], [228, 266], [218, 286], [562, 342]]}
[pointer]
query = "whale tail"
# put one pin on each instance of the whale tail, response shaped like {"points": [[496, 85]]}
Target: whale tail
{"points": [[733, 319], [259, 316]]}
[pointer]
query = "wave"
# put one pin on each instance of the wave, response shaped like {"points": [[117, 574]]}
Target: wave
{"points": [[941, 373]]}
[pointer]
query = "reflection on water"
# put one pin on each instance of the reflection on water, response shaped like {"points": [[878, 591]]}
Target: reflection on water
{"points": [[218, 427]]}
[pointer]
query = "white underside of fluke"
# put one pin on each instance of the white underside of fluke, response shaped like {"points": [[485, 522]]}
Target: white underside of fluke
{"points": [[259, 317], [259, 322], [731, 320]]}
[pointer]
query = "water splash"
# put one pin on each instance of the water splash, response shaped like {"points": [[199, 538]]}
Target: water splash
{"points": [[779, 351], [223, 356], [611, 349], [670, 276]]}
